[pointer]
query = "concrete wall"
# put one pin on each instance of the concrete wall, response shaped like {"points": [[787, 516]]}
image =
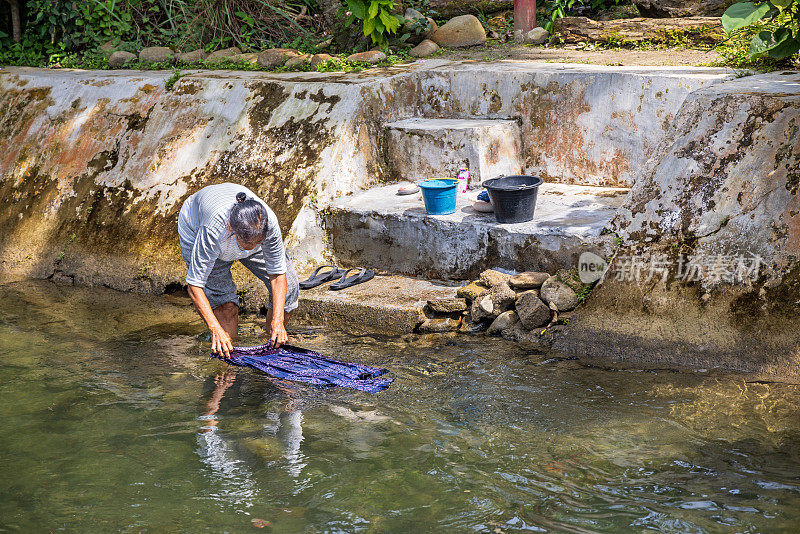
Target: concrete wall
{"points": [[723, 187], [94, 165], [583, 124]]}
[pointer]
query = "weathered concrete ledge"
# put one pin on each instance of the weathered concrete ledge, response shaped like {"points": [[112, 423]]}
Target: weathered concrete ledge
{"points": [[381, 229], [724, 187], [94, 165], [389, 304]]}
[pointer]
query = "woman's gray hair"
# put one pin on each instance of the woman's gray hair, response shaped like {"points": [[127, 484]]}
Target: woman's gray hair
{"points": [[248, 219]]}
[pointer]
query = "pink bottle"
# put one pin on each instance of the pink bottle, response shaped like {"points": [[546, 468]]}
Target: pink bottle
{"points": [[463, 181]]}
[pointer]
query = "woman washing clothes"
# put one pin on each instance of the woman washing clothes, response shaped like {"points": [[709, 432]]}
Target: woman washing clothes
{"points": [[217, 226]]}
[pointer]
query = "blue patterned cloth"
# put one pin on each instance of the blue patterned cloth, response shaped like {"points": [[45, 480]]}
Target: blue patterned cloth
{"points": [[302, 365], [483, 196]]}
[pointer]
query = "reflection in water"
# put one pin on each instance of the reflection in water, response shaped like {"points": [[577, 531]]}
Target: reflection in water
{"points": [[221, 454], [117, 420]]}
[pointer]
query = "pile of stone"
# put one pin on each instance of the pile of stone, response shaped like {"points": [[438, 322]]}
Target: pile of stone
{"points": [[272, 58], [514, 306], [458, 32]]}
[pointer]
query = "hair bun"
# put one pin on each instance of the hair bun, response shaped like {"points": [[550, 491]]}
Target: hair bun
{"points": [[241, 197]]}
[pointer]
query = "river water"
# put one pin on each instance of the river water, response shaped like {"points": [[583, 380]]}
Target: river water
{"points": [[115, 419]]}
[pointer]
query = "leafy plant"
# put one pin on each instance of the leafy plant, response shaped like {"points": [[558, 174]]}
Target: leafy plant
{"points": [[557, 9], [779, 41], [377, 20]]}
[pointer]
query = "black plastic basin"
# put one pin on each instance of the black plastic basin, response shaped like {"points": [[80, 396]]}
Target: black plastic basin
{"points": [[513, 197]]}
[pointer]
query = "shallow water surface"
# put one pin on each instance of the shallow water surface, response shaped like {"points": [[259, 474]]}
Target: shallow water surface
{"points": [[115, 419]]}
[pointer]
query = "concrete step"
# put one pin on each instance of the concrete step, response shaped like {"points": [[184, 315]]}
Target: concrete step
{"points": [[382, 230], [433, 148], [391, 304]]}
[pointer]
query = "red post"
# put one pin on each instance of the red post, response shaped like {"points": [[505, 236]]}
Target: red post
{"points": [[524, 15]]}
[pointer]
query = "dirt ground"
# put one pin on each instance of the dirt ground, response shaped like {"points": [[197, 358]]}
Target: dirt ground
{"points": [[617, 56]]}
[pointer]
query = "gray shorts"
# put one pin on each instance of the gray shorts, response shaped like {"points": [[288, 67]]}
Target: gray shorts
{"points": [[220, 287]]}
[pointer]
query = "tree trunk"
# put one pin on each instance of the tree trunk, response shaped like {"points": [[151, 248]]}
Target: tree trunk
{"points": [[524, 15], [16, 24]]}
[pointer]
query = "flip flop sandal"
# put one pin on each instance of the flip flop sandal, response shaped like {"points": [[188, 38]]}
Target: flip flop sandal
{"points": [[349, 281], [317, 278]]}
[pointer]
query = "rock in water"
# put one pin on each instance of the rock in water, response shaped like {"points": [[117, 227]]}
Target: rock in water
{"points": [[424, 49], [471, 291], [482, 308], [503, 298], [275, 57], [532, 312], [528, 280], [465, 30], [370, 56], [503, 321], [559, 294], [224, 53], [156, 54], [119, 58], [452, 305], [491, 278], [193, 56], [438, 325]]}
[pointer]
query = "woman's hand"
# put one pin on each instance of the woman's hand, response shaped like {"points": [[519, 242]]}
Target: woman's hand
{"points": [[277, 335], [221, 342]]}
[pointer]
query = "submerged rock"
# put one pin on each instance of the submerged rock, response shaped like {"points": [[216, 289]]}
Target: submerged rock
{"points": [[451, 305], [438, 325], [504, 320], [462, 31], [517, 332], [275, 57], [119, 58], [471, 291], [491, 277], [559, 294], [424, 49], [370, 56], [532, 312], [156, 54], [528, 280]]}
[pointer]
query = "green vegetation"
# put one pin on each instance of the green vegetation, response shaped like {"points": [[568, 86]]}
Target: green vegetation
{"points": [[772, 29], [377, 20], [552, 10], [46, 32]]}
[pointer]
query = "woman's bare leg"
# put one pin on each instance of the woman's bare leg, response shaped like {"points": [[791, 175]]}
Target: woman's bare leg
{"points": [[286, 317], [228, 316]]}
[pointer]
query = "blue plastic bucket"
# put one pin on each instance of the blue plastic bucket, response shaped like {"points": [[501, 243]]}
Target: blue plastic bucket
{"points": [[439, 196]]}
